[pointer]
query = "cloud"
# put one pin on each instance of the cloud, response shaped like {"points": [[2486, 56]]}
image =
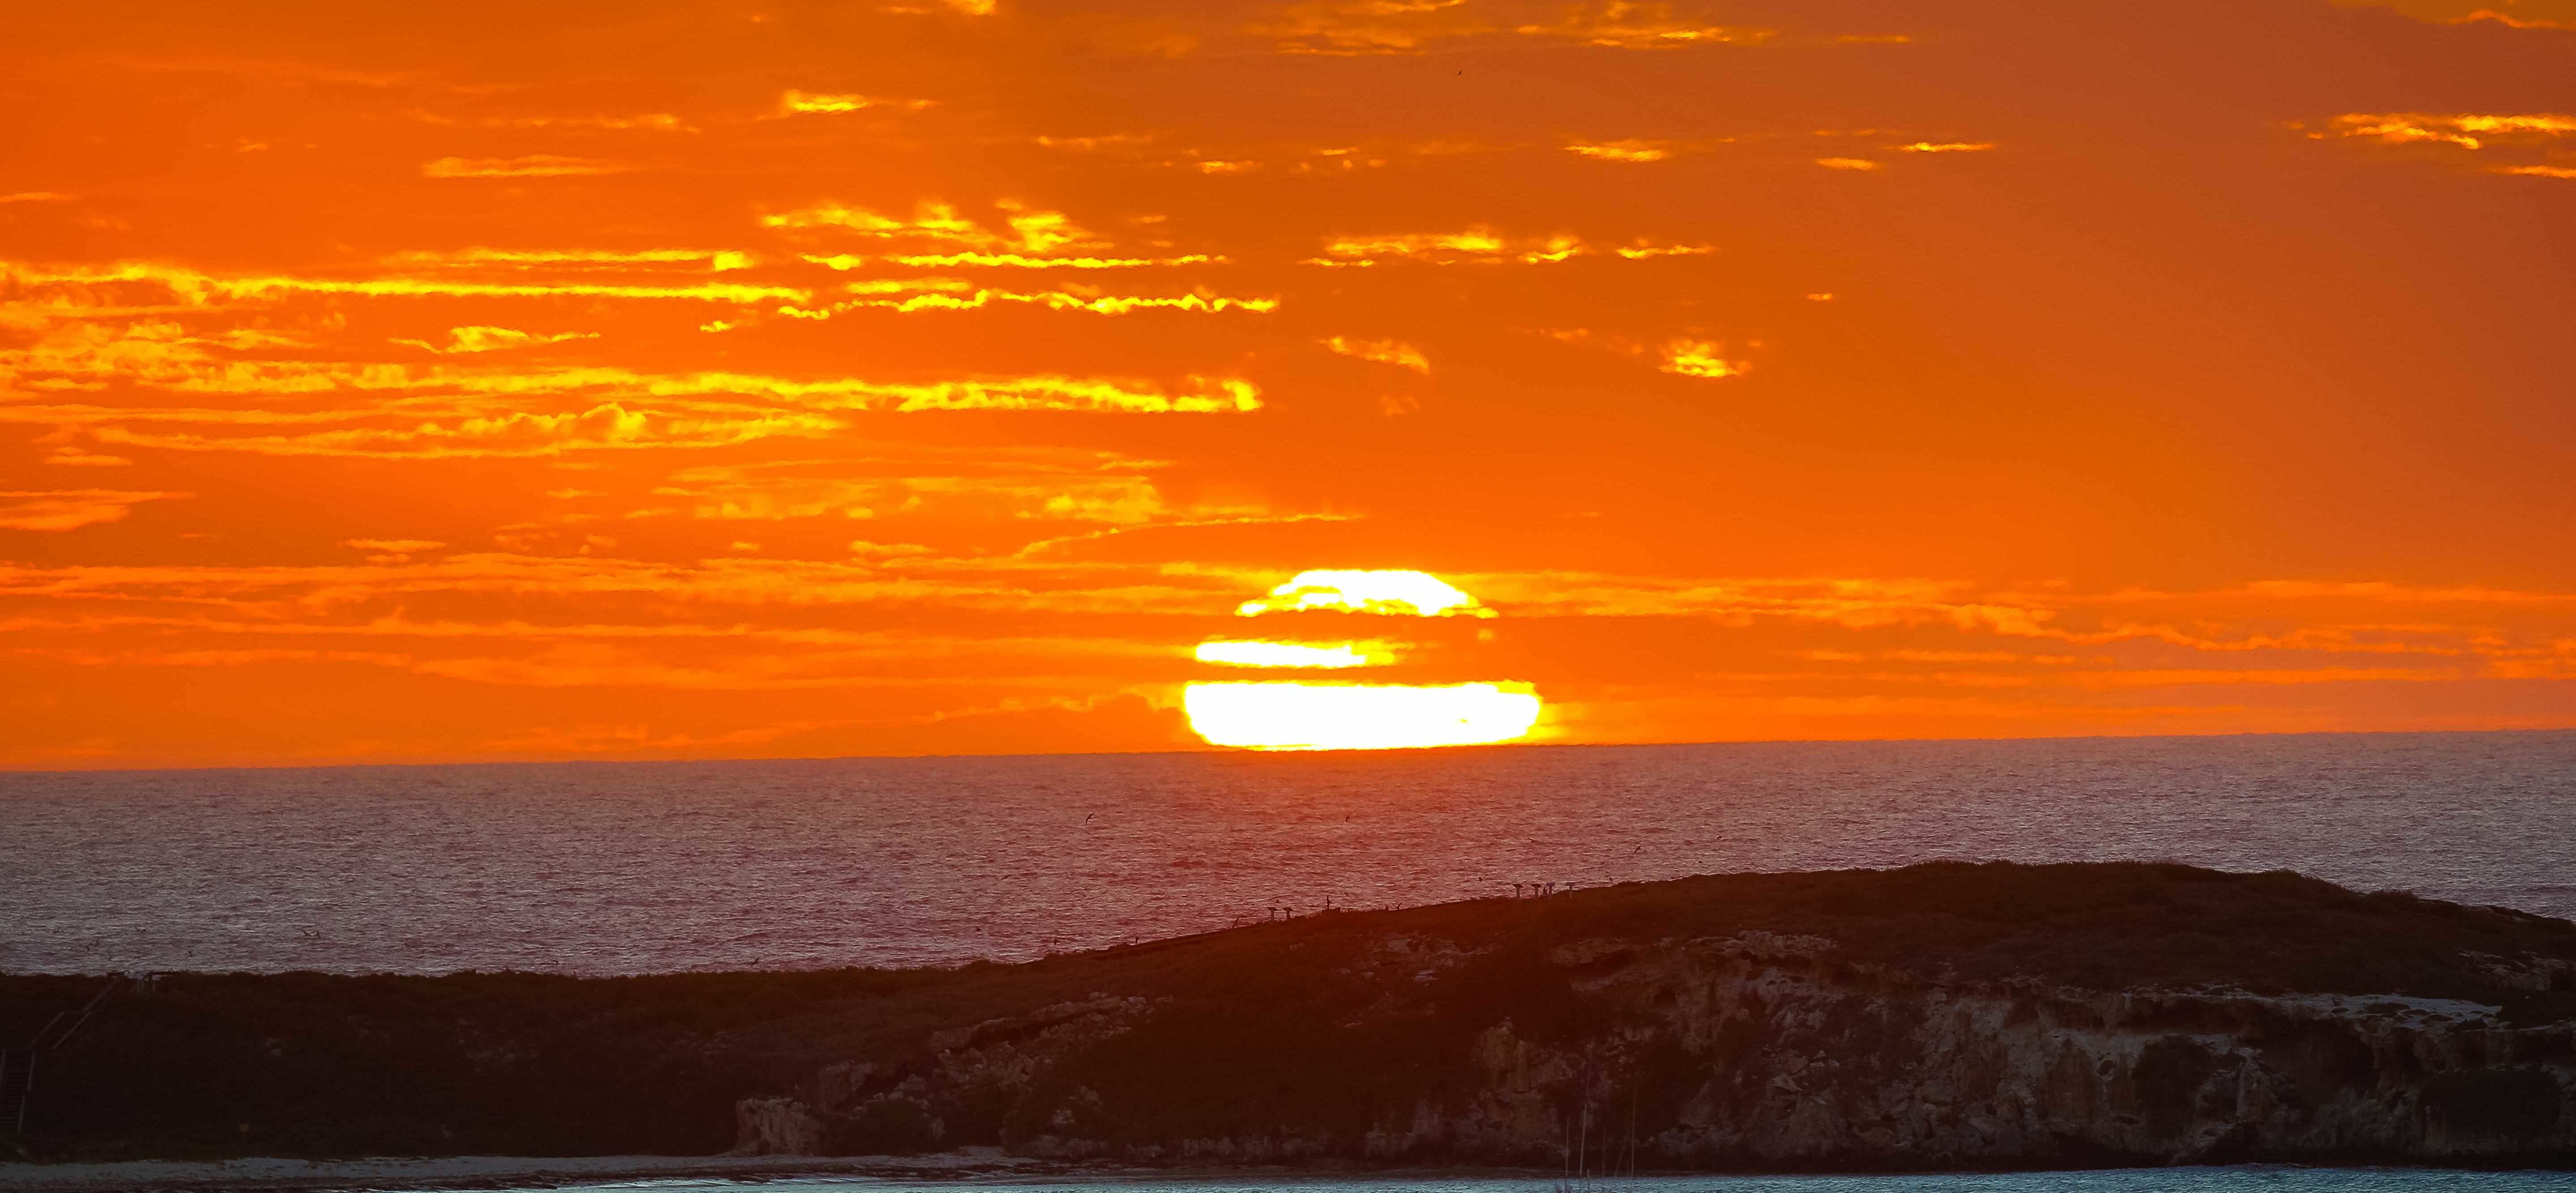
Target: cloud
{"points": [[494, 339], [1019, 261], [162, 355], [36, 197], [1631, 25], [1847, 163], [2523, 14], [794, 103], [1016, 490], [938, 227], [1946, 147], [2397, 128], [535, 165], [662, 122], [1477, 245], [716, 260], [70, 509], [950, 294], [1392, 593], [1643, 251], [1413, 26], [189, 288], [1480, 245], [1370, 26], [1388, 352], [2514, 135], [74, 457], [1700, 358], [1622, 151], [393, 550]]}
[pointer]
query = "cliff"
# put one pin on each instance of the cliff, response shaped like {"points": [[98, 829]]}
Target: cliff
{"points": [[1936, 1016]]}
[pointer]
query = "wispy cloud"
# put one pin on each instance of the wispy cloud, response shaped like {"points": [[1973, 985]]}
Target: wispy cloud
{"points": [[71, 509], [713, 260], [2466, 131], [535, 165], [1479, 245], [804, 103], [1382, 351], [1636, 25], [1413, 26], [1700, 358], [1630, 150], [951, 294], [939, 227], [493, 339], [179, 286]]}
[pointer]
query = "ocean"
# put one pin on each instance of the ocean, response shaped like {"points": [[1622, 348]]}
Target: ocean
{"points": [[617, 868]]}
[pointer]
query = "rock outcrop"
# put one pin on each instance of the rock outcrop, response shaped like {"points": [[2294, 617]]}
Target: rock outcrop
{"points": [[1951, 1015], [1756, 1049]]}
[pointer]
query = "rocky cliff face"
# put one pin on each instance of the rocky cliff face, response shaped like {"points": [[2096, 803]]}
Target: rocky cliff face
{"points": [[1750, 1050]]}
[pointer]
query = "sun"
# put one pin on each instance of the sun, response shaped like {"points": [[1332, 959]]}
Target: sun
{"points": [[1340, 714]]}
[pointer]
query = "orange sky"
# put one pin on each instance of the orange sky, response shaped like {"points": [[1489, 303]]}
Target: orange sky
{"points": [[719, 379]]}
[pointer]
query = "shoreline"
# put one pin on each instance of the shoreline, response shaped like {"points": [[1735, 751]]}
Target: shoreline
{"points": [[974, 1166], [485, 1172]]}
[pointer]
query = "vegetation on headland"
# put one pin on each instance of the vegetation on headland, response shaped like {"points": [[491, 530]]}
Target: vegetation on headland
{"points": [[1325, 1027]]}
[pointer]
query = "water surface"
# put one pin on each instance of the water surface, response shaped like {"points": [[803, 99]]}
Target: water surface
{"points": [[641, 867]]}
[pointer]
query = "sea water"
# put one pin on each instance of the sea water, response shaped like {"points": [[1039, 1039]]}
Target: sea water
{"points": [[645, 867]]}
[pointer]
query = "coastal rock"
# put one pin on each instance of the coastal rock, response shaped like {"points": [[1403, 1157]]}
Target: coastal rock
{"points": [[1944, 1016], [776, 1127], [1773, 1050]]}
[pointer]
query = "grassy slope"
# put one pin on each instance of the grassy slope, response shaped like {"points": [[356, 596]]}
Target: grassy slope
{"points": [[1265, 1024]]}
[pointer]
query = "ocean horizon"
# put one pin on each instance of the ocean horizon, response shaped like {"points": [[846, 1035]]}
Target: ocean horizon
{"points": [[640, 867]]}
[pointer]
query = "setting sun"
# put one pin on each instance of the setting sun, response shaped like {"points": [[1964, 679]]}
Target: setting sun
{"points": [[1343, 715], [1332, 716]]}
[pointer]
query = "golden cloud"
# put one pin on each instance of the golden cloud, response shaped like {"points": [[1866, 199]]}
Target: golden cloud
{"points": [[1622, 151], [716, 260], [71, 509], [188, 288], [933, 225], [1411, 26], [1476, 245], [535, 165], [794, 103], [494, 339], [1633, 25], [1700, 358], [2398, 128], [950, 294], [1387, 352]]}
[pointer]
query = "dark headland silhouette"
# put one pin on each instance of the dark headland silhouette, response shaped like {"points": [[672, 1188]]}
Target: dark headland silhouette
{"points": [[1937, 1016]]}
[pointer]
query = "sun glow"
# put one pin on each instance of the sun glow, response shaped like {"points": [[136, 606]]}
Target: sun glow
{"points": [[1321, 716], [1417, 594], [1330, 715], [1295, 654]]}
